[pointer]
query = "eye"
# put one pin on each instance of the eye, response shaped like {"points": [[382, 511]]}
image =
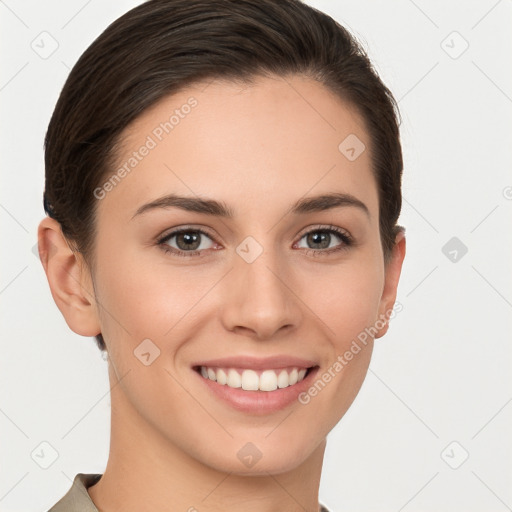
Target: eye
{"points": [[186, 241], [191, 241], [325, 240]]}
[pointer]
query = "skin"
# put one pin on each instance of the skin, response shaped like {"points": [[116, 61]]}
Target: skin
{"points": [[258, 149]]}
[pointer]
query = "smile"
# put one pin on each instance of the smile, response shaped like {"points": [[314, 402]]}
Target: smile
{"points": [[256, 385], [254, 380]]}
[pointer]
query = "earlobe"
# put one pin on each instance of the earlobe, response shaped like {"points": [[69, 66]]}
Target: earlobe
{"points": [[392, 277], [69, 279]]}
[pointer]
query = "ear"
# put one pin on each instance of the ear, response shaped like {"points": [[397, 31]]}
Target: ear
{"points": [[392, 275], [69, 279]]}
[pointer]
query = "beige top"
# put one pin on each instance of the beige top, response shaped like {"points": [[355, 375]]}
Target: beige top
{"points": [[77, 499]]}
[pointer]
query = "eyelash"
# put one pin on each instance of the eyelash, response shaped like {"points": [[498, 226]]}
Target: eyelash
{"points": [[347, 241]]}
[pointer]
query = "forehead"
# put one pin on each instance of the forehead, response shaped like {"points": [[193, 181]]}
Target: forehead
{"points": [[252, 146]]}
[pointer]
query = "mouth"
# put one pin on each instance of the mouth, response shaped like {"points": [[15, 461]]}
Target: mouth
{"points": [[256, 386], [247, 379]]}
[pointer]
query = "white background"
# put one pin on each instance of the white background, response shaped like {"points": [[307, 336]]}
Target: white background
{"points": [[442, 373]]}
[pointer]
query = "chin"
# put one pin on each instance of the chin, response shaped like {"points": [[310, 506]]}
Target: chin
{"points": [[259, 457]]}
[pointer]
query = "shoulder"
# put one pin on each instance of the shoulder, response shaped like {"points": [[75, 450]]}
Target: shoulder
{"points": [[77, 499]]}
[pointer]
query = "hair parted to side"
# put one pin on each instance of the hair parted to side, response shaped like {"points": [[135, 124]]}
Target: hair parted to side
{"points": [[161, 47]]}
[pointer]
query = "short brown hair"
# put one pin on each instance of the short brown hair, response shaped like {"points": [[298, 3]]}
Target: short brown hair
{"points": [[161, 47]]}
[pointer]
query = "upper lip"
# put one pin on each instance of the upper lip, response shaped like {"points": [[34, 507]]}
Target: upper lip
{"points": [[257, 363]]}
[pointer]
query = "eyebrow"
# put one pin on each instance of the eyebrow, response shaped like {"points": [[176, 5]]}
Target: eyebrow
{"points": [[220, 209]]}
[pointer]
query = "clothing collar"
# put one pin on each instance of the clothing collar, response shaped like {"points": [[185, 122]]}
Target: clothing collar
{"points": [[77, 499]]}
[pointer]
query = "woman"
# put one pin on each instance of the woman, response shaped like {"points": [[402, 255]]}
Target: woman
{"points": [[223, 189]]}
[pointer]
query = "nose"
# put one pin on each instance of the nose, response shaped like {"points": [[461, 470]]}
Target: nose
{"points": [[260, 301]]}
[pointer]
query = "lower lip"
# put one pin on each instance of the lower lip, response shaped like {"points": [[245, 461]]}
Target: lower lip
{"points": [[259, 402]]}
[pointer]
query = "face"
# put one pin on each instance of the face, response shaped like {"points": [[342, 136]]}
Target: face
{"points": [[241, 247]]}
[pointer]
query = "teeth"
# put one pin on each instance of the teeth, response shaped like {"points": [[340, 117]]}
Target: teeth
{"points": [[234, 380], [283, 380], [268, 380], [222, 378], [250, 380]]}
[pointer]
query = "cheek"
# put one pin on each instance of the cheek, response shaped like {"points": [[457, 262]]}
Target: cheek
{"points": [[141, 295], [346, 297]]}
